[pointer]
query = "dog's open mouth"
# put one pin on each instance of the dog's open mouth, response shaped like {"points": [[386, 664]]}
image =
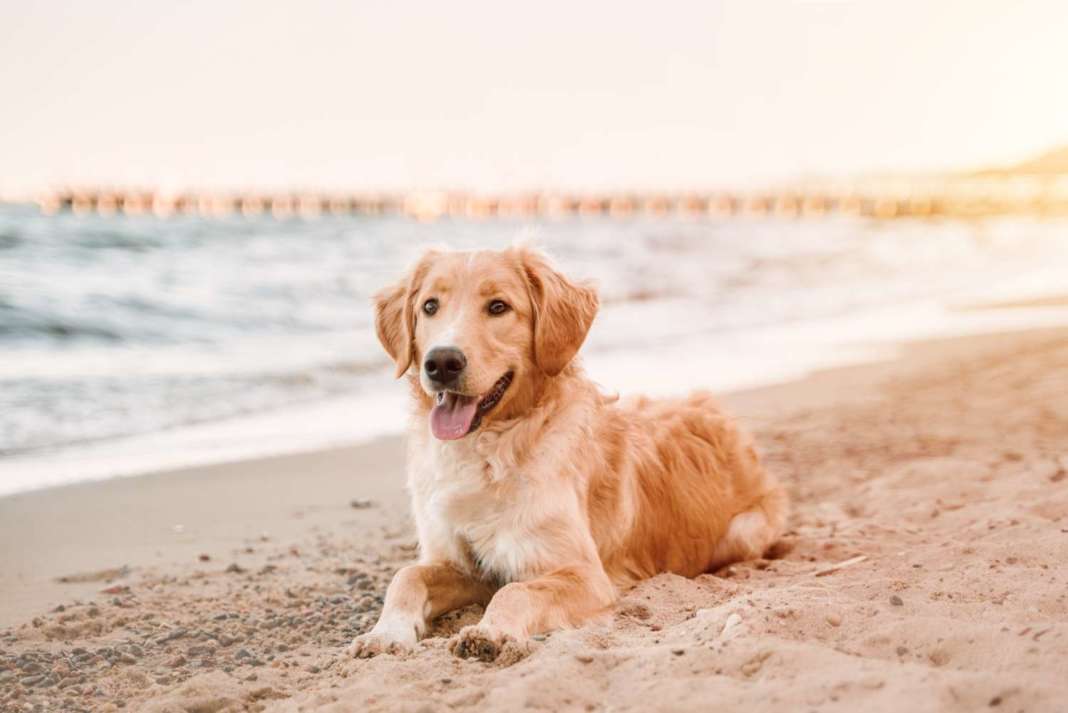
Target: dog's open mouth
{"points": [[455, 415]]}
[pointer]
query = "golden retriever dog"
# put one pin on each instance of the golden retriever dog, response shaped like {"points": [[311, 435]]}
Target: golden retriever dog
{"points": [[533, 492]]}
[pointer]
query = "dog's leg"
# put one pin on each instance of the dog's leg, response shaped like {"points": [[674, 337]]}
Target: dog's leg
{"points": [[417, 594], [563, 598]]}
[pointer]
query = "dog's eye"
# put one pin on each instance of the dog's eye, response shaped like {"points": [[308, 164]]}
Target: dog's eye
{"points": [[497, 307], [430, 307]]}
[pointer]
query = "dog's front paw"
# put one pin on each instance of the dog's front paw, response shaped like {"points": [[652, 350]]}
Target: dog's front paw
{"points": [[488, 644], [377, 642]]}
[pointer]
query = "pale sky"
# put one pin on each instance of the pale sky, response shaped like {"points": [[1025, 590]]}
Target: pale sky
{"points": [[501, 95]]}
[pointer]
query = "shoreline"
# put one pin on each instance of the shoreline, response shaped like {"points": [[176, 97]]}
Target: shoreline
{"points": [[86, 531], [940, 474], [332, 423]]}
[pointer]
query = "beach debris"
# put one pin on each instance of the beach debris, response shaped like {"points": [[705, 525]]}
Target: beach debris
{"points": [[939, 657], [834, 620], [733, 621], [116, 589], [172, 635], [839, 565], [235, 568], [896, 601], [361, 503], [753, 665], [103, 575], [204, 557]]}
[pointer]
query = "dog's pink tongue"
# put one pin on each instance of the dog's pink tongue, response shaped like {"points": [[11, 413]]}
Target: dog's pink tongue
{"points": [[451, 418]]}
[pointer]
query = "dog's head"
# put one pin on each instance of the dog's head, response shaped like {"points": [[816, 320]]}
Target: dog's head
{"points": [[482, 330]]}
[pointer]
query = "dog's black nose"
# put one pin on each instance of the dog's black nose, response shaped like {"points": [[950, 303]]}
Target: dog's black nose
{"points": [[444, 365]]}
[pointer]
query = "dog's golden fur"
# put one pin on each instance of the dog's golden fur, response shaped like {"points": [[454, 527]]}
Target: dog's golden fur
{"points": [[562, 496]]}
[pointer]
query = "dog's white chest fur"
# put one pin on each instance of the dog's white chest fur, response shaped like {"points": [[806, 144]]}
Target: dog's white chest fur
{"points": [[477, 511]]}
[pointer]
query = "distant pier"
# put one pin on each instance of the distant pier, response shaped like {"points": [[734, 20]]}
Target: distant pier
{"points": [[956, 199]]}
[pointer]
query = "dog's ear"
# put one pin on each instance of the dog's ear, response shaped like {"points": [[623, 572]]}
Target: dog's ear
{"points": [[395, 314], [390, 325], [563, 312]]}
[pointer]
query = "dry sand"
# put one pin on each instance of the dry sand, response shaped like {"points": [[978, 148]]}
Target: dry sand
{"points": [[926, 569]]}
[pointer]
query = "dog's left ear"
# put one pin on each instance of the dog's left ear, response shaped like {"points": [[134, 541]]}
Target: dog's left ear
{"points": [[395, 315], [563, 312]]}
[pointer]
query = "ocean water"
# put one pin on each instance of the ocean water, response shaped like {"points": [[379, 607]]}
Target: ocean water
{"points": [[129, 344]]}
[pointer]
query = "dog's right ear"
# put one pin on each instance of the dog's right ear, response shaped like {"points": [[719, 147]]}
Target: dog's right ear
{"points": [[390, 325], [395, 315]]}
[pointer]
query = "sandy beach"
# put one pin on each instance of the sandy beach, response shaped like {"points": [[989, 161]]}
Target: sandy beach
{"points": [[924, 569]]}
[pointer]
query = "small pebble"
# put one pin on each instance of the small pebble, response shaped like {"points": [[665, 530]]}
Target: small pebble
{"points": [[834, 620], [896, 601]]}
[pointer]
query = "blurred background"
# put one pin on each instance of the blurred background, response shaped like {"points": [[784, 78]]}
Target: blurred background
{"points": [[198, 199]]}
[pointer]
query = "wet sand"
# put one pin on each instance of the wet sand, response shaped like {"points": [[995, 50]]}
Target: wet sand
{"points": [[926, 568], [81, 533]]}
